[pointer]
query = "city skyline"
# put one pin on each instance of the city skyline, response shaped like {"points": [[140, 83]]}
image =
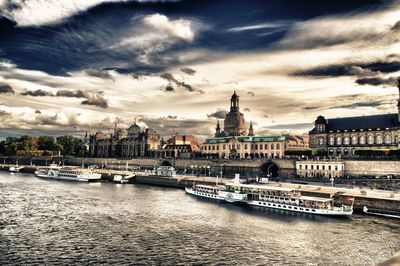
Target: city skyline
{"points": [[68, 67]]}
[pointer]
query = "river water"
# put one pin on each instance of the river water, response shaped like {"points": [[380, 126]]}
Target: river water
{"points": [[56, 222]]}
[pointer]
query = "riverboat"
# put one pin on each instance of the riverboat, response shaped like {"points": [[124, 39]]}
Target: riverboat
{"points": [[205, 191], [282, 198], [384, 213], [68, 173]]}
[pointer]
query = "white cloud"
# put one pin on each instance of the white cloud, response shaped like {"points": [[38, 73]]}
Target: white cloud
{"points": [[180, 28], [43, 12]]}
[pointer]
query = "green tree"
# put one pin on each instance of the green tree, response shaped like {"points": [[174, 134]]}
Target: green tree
{"points": [[68, 143], [48, 143]]}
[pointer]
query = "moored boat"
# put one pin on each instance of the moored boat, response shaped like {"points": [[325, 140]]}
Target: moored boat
{"points": [[384, 213], [205, 191], [68, 173]]}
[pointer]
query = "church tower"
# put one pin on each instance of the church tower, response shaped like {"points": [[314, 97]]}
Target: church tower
{"points": [[234, 123], [218, 130], [251, 131]]}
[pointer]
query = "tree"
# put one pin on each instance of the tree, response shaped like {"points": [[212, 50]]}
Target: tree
{"points": [[68, 144], [47, 143]]}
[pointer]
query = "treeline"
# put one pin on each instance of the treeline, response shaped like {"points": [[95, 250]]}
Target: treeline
{"points": [[42, 145], [376, 152]]}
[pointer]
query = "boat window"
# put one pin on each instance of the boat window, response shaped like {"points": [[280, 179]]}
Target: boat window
{"points": [[290, 207], [307, 210], [295, 208], [313, 210]]}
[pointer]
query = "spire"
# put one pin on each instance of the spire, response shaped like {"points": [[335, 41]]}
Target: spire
{"points": [[218, 130], [251, 131], [234, 101]]}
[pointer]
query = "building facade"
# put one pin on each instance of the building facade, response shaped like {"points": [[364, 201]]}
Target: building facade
{"points": [[342, 136], [132, 142], [320, 169], [235, 142]]}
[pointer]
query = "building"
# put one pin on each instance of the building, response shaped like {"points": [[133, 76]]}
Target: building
{"points": [[296, 142], [319, 169], [244, 147], [343, 136], [131, 142], [181, 146], [235, 142]]}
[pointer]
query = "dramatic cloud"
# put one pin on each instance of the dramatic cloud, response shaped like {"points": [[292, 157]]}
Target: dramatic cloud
{"points": [[219, 114], [377, 81], [180, 28], [246, 110], [36, 93], [250, 93], [170, 78], [96, 102], [188, 70], [6, 89]]}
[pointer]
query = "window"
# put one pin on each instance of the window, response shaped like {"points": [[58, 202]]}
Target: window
{"points": [[321, 141], [306, 167], [339, 140], [224, 147], [388, 139], [317, 167], [255, 146], [370, 139], [346, 141], [272, 146], [261, 146], [245, 146], [379, 139], [354, 140], [266, 146], [213, 147], [362, 140], [299, 166], [238, 146], [217, 147], [323, 167], [331, 141], [278, 146]]}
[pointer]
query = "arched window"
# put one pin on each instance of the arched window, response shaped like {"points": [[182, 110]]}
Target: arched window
{"points": [[346, 141], [331, 141], [238, 146], [379, 139], [255, 146], [362, 140], [245, 146], [272, 146], [278, 146], [370, 139], [321, 141], [266, 147], [388, 139], [339, 140], [354, 140]]}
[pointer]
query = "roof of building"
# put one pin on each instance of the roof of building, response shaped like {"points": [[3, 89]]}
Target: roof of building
{"points": [[363, 122], [216, 140]]}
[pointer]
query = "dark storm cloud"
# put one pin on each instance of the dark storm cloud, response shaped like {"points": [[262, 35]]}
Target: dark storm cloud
{"points": [[90, 39], [36, 93], [188, 70], [172, 117], [71, 93], [219, 114], [169, 88], [361, 104], [172, 80], [396, 27], [100, 73], [311, 107], [100, 102], [376, 81], [6, 89]]}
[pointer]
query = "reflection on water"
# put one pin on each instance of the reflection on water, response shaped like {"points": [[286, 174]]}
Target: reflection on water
{"points": [[45, 221]]}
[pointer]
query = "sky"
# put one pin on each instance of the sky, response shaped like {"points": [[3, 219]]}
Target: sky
{"points": [[71, 66]]}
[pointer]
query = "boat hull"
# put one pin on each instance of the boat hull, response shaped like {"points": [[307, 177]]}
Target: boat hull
{"points": [[293, 208], [190, 191]]}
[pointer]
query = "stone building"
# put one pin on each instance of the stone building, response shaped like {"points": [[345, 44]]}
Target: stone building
{"points": [[320, 169], [131, 142], [180, 146], [235, 143], [342, 136], [296, 142]]}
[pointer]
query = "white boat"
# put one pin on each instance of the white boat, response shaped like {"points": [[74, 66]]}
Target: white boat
{"points": [[120, 179], [69, 173], [283, 199], [205, 191], [15, 169], [383, 213]]}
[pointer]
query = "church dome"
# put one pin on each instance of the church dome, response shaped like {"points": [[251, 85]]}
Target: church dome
{"points": [[134, 130]]}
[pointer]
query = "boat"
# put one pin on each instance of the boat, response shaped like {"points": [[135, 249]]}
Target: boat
{"points": [[15, 169], [68, 173], [205, 191], [384, 213], [281, 198], [120, 179]]}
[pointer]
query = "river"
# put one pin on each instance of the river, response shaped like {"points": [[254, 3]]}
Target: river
{"points": [[56, 222]]}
